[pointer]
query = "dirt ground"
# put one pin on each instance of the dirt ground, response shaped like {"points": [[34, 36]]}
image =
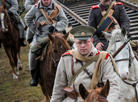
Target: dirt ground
{"points": [[17, 91]]}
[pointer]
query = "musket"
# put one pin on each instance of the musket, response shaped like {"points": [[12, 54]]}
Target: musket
{"points": [[123, 45]]}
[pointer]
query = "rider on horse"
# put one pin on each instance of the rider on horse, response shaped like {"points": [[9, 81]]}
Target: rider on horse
{"points": [[71, 64], [44, 13], [12, 6], [105, 17], [28, 5]]}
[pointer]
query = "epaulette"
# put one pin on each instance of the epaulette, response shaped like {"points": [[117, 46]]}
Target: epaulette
{"points": [[66, 53], [98, 52], [119, 3], [35, 5], [94, 6], [106, 57]]}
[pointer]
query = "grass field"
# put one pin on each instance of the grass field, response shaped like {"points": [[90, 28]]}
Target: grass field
{"points": [[17, 91]]}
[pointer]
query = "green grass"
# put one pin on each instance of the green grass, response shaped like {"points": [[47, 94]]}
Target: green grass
{"points": [[17, 91]]}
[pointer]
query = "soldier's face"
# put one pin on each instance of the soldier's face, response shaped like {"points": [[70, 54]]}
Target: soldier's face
{"points": [[105, 2], [46, 2], [84, 46]]}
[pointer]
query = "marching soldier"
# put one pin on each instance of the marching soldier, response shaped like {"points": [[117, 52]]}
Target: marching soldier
{"points": [[28, 5], [72, 61], [12, 11], [44, 13], [99, 20]]}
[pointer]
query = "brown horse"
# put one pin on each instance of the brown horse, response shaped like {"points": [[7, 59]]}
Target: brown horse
{"points": [[9, 37], [57, 45], [97, 95]]}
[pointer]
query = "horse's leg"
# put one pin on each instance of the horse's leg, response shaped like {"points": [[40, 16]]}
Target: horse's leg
{"points": [[16, 60], [12, 63], [19, 63], [19, 59]]}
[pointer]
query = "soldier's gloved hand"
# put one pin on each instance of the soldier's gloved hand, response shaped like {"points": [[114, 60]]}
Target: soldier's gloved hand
{"points": [[51, 29], [10, 13]]}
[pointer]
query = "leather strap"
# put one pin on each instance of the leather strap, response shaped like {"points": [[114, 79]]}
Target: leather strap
{"points": [[82, 68], [106, 14], [97, 72], [50, 18]]}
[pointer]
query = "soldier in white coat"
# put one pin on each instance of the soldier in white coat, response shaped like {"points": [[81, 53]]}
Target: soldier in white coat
{"points": [[69, 65], [43, 27]]}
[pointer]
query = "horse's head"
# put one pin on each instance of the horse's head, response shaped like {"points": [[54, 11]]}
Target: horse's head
{"points": [[59, 45], [97, 95], [4, 18], [116, 39]]}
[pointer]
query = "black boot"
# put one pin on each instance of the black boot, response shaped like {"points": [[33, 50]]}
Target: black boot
{"points": [[30, 40], [21, 41], [34, 81]]}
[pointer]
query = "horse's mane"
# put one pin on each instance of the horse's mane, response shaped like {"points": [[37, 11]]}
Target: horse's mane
{"points": [[57, 45], [57, 36], [115, 33]]}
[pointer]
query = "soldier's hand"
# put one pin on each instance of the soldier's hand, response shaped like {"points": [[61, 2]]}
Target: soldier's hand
{"points": [[51, 29], [99, 46]]}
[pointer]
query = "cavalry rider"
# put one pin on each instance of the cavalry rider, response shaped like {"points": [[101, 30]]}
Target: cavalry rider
{"points": [[96, 15], [28, 5], [72, 61], [12, 11], [42, 13]]}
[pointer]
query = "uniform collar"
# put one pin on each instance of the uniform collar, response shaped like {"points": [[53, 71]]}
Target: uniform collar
{"points": [[93, 52], [102, 7]]}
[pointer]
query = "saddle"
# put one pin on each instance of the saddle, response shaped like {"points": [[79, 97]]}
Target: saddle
{"points": [[41, 53]]}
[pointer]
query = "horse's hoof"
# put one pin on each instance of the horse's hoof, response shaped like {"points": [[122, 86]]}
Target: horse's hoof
{"points": [[16, 79], [6, 30], [3, 31]]}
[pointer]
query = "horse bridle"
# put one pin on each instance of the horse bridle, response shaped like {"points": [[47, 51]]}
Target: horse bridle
{"points": [[130, 63], [125, 59]]}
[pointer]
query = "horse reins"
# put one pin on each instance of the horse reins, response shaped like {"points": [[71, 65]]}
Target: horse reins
{"points": [[134, 85], [125, 59], [130, 62]]}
